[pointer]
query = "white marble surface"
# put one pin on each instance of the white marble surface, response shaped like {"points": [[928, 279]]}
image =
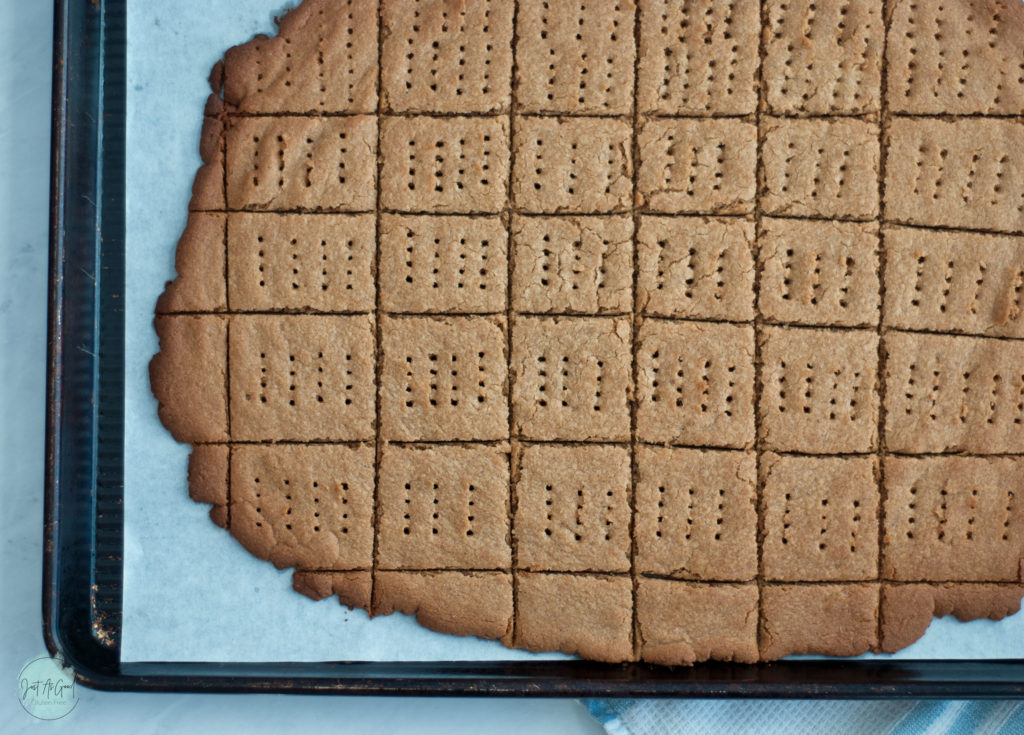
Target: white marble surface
{"points": [[25, 38]]}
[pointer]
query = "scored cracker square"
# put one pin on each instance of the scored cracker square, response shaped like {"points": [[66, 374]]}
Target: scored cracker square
{"points": [[698, 58], [575, 57], [697, 267], [304, 506], [698, 166], [573, 510], [589, 615], [831, 619], [301, 263], [306, 163], [985, 75], [686, 622], [954, 518], [443, 507], [965, 173], [451, 164], [819, 272], [820, 518], [567, 165], [302, 378], [954, 281], [571, 378], [820, 168], [323, 60], [443, 378], [810, 68], [572, 265], [695, 514], [695, 383], [440, 57], [820, 392], [442, 264], [950, 393]]}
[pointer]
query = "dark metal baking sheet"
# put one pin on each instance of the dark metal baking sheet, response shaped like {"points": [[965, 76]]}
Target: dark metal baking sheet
{"points": [[85, 432]]}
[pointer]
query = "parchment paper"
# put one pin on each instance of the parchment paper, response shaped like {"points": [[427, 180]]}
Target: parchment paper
{"points": [[191, 593]]}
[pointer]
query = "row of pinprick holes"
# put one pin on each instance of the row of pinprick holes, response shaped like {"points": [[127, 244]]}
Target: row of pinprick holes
{"points": [[994, 395], [438, 164], [295, 265], [292, 376], [542, 373], [808, 382], [584, 57], [316, 504], [434, 370], [708, 36], [705, 383], [436, 258], [943, 516]]}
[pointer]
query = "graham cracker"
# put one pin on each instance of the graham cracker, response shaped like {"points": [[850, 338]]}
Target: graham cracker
{"points": [[571, 378], [443, 378], [443, 506], [821, 168], [695, 514], [820, 518], [302, 378], [296, 262], [819, 272], [698, 267], [572, 265], [962, 173], [820, 393], [954, 519], [454, 165], [954, 282], [823, 58], [199, 263], [443, 264], [304, 506], [322, 60], [698, 58], [695, 383], [304, 163], [572, 165], [954, 394], [573, 509], [575, 57], [444, 57], [698, 166], [956, 57]]}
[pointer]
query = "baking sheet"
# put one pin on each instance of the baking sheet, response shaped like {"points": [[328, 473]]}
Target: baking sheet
{"points": [[192, 593]]}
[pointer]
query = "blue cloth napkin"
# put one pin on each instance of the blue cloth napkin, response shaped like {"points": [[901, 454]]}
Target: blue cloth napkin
{"points": [[799, 717]]}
